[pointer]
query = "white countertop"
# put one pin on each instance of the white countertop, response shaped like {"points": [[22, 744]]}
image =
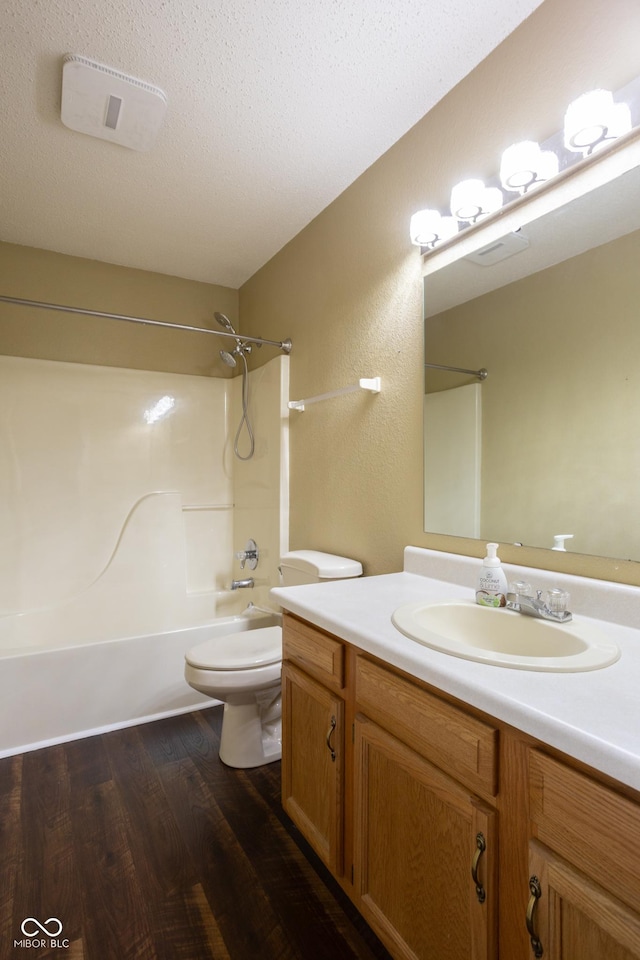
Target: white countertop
{"points": [[593, 716]]}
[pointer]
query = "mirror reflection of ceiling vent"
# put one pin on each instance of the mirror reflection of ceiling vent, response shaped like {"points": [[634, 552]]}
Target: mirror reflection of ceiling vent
{"points": [[499, 250], [101, 102]]}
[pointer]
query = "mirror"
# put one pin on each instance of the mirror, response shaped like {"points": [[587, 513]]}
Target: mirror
{"points": [[549, 444]]}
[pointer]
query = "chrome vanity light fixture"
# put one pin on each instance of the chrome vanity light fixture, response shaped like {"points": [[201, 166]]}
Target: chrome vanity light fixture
{"points": [[594, 119], [593, 122], [429, 227], [525, 165], [471, 199]]}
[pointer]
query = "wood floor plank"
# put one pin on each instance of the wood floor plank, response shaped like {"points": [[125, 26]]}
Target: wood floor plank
{"points": [[147, 847], [233, 889], [48, 888], [213, 935], [164, 868], [161, 739], [200, 936], [75, 951], [116, 916], [155, 839], [321, 920], [87, 762], [267, 782], [11, 844]]}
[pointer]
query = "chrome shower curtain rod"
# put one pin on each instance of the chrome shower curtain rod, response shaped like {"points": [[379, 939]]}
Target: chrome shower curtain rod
{"points": [[284, 345], [481, 374]]}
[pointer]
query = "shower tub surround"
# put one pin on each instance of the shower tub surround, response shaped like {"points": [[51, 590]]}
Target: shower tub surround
{"points": [[121, 508]]}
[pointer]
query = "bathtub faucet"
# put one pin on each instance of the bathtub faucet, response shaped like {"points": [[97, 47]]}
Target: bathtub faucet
{"points": [[241, 584]]}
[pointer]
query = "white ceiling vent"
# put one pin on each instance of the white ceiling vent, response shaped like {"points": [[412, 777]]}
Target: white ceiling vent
{"points": [[499, 250], [102, 102]]}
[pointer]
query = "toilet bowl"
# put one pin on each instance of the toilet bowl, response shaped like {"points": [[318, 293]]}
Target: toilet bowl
{"points": [[243, 670]]}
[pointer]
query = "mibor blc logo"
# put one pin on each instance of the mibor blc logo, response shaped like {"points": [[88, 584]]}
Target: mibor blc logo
{"points": [[37, 934]]}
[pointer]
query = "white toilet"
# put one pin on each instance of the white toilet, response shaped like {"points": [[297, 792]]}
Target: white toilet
{"points": [[244, 669]]}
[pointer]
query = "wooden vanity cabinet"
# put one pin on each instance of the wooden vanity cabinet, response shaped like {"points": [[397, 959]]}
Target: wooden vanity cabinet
{"points": [[584, 865], [573, 918], [362, 777], [425, 842], [456, 836], [313, 738], [419, 835]]}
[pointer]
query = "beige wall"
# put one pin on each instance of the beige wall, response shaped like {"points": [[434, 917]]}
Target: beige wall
{"points": [[73, 281], [348, 289]]}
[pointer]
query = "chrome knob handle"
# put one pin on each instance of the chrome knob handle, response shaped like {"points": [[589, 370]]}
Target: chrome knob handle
{"points": [[249, 555]]}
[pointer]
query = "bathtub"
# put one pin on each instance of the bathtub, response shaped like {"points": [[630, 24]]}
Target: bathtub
{"points": [[49, 696]]}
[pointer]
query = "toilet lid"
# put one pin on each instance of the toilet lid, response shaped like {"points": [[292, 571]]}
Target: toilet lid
{"points": [[238, 651]]}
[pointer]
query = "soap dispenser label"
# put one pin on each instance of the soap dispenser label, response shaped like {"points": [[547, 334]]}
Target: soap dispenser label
{"points": [[486, 599], [489, 592]]}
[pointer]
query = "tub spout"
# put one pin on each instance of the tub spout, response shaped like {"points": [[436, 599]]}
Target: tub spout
{"points": [[241, 584]]}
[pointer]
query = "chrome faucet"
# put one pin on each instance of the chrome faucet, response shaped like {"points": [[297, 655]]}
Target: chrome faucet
{"points": [[520, 598], [241, 584]]}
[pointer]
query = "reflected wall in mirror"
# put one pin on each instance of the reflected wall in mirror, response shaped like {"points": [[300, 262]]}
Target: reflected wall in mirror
{"points": [[556, 445]]}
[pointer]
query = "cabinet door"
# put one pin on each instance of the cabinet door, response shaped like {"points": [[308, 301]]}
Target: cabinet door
{"points": [[572, 918], [424, 854], [312, 762], [587, 824]]}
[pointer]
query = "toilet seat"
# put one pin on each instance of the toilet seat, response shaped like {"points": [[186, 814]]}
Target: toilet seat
{"points": [[239, 651]]}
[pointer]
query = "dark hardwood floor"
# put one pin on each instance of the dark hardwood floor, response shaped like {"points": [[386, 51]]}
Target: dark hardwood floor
{"points": [[144, 846]]}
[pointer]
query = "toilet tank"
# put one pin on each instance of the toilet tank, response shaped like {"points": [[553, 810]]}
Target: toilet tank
{"points": [[312, 566]]}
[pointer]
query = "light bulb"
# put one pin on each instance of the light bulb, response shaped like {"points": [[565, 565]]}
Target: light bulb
{"points": [[470, 199], [428, 227], [593, 119], [524, 164]]}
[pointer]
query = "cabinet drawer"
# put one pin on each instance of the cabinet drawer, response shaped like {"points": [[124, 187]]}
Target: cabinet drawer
{"points": [[316, 652], [587, 823], [439, 731]]}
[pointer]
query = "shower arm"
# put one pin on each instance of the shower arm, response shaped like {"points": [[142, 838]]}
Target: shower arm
{"points": [[284, 345]]}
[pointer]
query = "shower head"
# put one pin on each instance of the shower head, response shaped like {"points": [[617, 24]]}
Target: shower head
{"points": [[228, 358], [241, 349], [224, 321]]}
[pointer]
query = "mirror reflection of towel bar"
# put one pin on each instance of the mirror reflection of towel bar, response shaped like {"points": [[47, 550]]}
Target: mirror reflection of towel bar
{"points": [[481, 374]]}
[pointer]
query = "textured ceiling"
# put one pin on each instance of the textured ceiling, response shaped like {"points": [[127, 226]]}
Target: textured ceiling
{"points": [[274, 108]]}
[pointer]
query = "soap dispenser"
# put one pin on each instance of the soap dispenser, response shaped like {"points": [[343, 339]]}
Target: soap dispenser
{"points": [[492, 582]]}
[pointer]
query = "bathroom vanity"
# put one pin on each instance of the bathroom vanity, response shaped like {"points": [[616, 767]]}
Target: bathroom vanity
{"points": [[470, 811]]}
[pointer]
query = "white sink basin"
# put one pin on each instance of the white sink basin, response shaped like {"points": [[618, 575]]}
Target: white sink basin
{"points": [[502, 637]]}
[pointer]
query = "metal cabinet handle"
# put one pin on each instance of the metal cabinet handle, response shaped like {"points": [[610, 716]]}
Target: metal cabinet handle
{"points": [[481, 846], [536, 892], [329, 735]]}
